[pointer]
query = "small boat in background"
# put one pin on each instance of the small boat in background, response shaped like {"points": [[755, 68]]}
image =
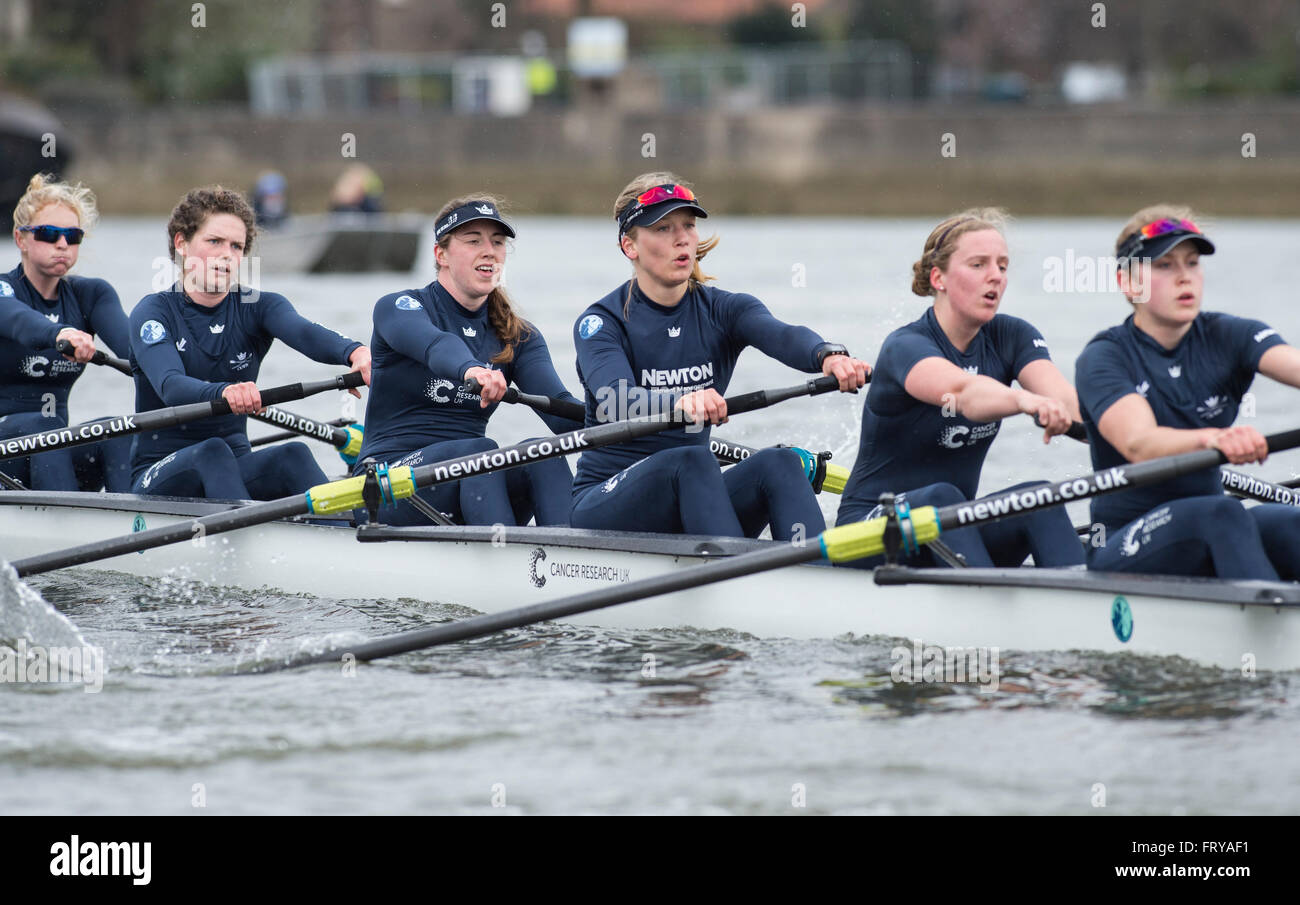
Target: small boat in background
{"points": [[342, 243], [29, 135]]}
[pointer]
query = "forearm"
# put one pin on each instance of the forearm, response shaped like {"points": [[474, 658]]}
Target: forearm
{"points": [[1166, 441], [985, 399]]}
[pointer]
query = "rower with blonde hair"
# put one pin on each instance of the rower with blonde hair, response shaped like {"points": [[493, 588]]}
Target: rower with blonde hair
{"points": [[666, 340], [42, 304], [941, 389]]}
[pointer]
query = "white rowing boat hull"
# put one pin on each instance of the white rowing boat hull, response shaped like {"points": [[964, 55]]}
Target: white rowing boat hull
{"points": [[1227, 624]]}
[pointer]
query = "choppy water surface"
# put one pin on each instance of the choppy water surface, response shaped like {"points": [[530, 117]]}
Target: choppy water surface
{"points": [[568, 719]]}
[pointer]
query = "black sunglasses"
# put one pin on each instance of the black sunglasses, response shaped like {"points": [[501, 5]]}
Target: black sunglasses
{"points": [[51, 234]]}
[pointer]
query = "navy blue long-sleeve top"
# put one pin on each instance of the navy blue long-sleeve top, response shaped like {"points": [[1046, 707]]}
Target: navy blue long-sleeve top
{"points": [[30, 365], [1198, 383], [424, 342], [182, 352], [656, 354]]}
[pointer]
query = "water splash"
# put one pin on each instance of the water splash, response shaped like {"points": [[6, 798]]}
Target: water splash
{"points": [[24, 614]]}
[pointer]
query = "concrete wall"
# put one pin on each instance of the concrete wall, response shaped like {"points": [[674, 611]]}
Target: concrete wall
{"points": [[1050, 160]]}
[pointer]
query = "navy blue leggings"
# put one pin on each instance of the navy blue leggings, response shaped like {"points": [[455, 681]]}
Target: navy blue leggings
{"points": [[1279, 529], [1047, 534], [211, 469], [106, 464], [542, 490], [681, 491], [1204, 535]]}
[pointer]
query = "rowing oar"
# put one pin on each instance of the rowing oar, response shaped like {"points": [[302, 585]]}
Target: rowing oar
{"points": [[157, 419], [1242, 484], [816, 466], [99, 358], [341, 433], [905, 529], [1235, 482], [392, 484]]}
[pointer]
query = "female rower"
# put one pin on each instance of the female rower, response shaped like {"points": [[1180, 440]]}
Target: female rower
{"points": [[665, 340], [204, 339], [1169, 380], [429, 341], [941, 389], [40, 304]]}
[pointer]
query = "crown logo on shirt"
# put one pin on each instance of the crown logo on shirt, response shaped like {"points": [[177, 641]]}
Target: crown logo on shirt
{"points": [[54, 318], [973, 369], [1142, 388], [674, 331], [1176, 371], [216, 328], [469, 331]]}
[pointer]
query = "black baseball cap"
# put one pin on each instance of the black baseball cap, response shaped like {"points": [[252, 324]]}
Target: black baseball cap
{"points": [[467, 213], [1156, 239], [655, 203]]}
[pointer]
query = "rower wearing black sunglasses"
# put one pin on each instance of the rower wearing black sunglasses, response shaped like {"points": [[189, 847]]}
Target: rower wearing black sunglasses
{"points": [[665, 340], [41, 305]]}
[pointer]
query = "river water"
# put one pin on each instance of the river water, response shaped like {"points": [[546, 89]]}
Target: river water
{"points": [[562, 719]]}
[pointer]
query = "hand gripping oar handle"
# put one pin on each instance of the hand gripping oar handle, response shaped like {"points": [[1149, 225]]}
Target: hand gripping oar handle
{"points": [[574, 411], [396, 483], [1076, 430], [157, 419], [99, 358]]}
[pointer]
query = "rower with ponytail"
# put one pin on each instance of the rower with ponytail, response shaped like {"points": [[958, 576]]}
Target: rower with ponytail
{"points": [[428, 342]]}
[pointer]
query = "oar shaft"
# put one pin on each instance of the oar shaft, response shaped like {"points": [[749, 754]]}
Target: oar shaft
{"points": [[1110, 480], [491, 623], [592, 437], [1249, 486], [307, 427], [243, 517], [157, 419]]}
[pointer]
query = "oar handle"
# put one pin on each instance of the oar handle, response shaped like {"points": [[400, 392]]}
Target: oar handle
{"points": [[291, 391], [99, 358], [565, 408], [1076, 431], [748, 402]]}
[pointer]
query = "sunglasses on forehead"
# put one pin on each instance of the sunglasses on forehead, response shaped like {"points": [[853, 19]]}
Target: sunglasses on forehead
{"points": [[1161, 227], [665, 193], [51, 234]]}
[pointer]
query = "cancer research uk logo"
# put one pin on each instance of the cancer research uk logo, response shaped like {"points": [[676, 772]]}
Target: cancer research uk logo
{"points": [[538, 555], [152, 332], [590, 326], [407, 303], [6, 291]]}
